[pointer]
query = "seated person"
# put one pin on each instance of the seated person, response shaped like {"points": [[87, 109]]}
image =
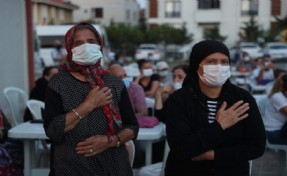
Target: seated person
{"points": [[264, 74], [164, 73], [245, 64], [38, 92], [147, 79], [275, 114], [161, 99], [135, 91], [11, 151]]}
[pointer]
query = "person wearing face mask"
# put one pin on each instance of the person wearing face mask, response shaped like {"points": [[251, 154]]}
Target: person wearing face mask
{"points": [[245, 64], [147, 79], [164, 73], [135, 91], [213, 126], [162, 94], [264, 74], [88, 115]]}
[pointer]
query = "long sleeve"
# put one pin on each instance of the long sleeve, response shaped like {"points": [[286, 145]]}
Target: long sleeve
{"points": [[185, 137], [252, 143], [127, 114], [54, 116]]}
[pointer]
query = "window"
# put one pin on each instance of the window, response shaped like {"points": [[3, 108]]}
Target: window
{"points": [[98, 12], [172, 9], [249, 7], [208, 4], [128, 14]]}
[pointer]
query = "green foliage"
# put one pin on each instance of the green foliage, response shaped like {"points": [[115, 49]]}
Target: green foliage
{"points": [[251, 31], [124, 37], [270, 35], [282, 22], [167, 34], [214, 35]]}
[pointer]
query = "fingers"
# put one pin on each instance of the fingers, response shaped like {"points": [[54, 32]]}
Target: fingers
{"points": [[236, 105], [223, 106]]}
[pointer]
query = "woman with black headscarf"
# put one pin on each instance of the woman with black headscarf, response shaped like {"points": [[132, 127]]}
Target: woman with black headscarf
{"points": [[88, 114], [213, 127]]}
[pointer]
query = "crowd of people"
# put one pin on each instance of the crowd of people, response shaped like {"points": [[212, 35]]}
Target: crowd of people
{"points": [[213, 127]]}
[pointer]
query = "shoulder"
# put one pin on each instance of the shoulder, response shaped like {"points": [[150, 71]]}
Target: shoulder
{"points": [[277, 95], [112, 80]]}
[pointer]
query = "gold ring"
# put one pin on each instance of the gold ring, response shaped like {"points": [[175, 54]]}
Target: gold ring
{"points": [[91, 150]]}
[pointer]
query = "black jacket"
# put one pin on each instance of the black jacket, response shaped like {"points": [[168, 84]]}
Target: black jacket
{"points": [[189, 134]]}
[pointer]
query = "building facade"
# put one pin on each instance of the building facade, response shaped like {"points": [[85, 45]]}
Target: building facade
{"points": [[201, 17], [106, 11], [52, 12]]}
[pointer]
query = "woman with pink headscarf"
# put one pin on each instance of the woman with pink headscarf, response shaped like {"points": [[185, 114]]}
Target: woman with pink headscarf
{"points": [[88, 114]]}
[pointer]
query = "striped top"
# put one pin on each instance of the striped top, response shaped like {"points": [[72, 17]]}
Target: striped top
{"points": [[212, 108]]}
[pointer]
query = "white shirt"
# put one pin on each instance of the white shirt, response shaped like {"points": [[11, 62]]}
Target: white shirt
{"points": [[272, 118]]}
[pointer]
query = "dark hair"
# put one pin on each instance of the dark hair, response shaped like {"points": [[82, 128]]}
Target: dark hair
{"points": [[183, 67], [141, 62], [277, 72], [47, 70], [284, 82]]}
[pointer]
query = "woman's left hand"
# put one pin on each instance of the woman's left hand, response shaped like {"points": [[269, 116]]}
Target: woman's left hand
{"points": [[93, 145]]}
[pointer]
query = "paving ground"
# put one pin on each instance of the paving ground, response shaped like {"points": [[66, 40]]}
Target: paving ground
{"points": [[273, 164]]}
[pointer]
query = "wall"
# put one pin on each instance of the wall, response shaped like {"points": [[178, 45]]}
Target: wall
{"points": [[13, 47]]}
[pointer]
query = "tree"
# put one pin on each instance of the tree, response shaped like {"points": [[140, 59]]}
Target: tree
{"points": [[167, 34], [251, 31], [283, 28], [214, 35], [124, 37]]}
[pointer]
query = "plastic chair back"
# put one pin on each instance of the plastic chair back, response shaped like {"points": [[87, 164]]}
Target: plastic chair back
{"points": [[36, 107], [131, 150], [16, 99]]}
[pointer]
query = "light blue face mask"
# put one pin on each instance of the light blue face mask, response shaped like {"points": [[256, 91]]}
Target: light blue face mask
{"points": [[127, 81]]}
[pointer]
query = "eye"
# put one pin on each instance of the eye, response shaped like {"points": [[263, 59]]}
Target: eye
{"points": [[211, 62], [225, 62]]}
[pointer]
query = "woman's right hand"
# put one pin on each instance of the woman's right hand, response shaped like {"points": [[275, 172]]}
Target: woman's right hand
{"points": [[232, 115], [98, 97]]}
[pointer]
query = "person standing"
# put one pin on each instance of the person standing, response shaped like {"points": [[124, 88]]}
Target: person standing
{"points": [[88, 114], [213, 127]]}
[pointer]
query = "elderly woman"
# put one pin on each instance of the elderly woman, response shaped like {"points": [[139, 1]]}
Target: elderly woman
{"points": [[213, 127], [88, 114]]}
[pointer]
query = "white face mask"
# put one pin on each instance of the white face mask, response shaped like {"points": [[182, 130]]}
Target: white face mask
{"points": [[87, 54], [215, 75], [147, 72], [176, 85]]}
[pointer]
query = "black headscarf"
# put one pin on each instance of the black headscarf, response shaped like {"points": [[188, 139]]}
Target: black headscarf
{"points": [[200, 51]]}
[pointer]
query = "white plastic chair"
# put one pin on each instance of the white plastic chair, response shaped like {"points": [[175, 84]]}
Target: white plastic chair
{"points": [[150, 102], [16, 99], [131, 150], [35, 107], [156, 169]]}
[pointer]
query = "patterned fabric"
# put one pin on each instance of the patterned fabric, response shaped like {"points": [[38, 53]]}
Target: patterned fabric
{"points": [[11, 152], [63, 94], [93, 74]]}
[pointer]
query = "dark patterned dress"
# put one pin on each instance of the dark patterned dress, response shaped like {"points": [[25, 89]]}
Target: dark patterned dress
{"points": [[11, 151], [64, 93]]}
